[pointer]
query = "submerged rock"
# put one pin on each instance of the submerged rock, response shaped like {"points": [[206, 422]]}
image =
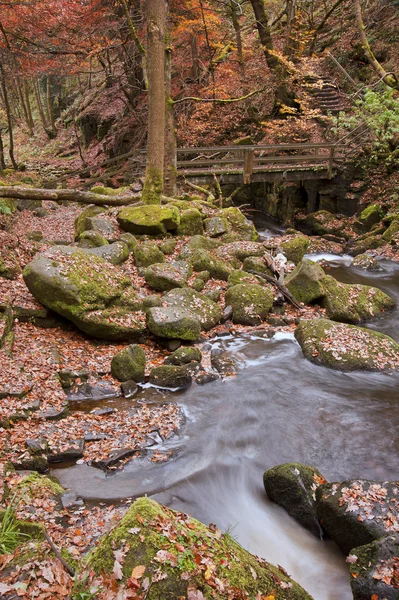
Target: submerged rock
{"points": [[149, 220], [92, 293], [129, 364], [147, 535], [306, 281], [374, 569], [346, 347], [293, 487], [357, 512], [251, 303]]}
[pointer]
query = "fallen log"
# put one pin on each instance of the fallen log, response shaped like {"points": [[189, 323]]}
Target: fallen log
{"points": [[21, 193]]}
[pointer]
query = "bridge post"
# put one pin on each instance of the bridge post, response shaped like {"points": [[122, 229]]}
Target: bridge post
{"points": [[330, 163], [248, 165]]}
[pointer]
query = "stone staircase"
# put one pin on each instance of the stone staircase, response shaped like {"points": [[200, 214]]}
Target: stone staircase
{"points": [[326, 95]]}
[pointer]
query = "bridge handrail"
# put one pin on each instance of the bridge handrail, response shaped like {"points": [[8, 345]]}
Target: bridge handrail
{"points": [[214, 149]]}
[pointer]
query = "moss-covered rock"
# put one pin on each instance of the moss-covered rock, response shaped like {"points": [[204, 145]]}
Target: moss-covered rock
{"points": [[149, 219], [147, 254], [357, 512], [205, 311], [374, 569], [237, 276], [149, 532], [115, 253], [129, 364], [322, 222], [202, 260], [9, 265], [184, 356], [305, 282], [198, 284], [168, 246], [257, 264], [293, 487], [108, 191], [369, 217], [240, 224], [216, 226], [190, 222], [392, 230], [251, 303], [130, 241], [371, 242], [294, 249], [92, 239], [87, 290], [166, 276], [240, 250], [197, 242], [367, 262], [80, 221], [346, 347], [171, 377], [173, 323], [354, 303]]}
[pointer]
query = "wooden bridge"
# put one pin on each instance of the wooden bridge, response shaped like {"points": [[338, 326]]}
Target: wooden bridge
{"points": [[246, 164]]}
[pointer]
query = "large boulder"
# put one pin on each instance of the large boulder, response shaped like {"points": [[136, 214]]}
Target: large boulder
{"points": [[89, 291], [202, 260], [166, 276], [129, 364], [190, 222], [374, 569], [115, 253], [322, 222], [240, 250], [82, 223], [305, 282], [182, 558], [239, 224], [102, 226], [357, 512], [147, 254], [149, 220], [293, 487], [216, 226], [346, 347], [173, 323], [251, 303], [354, 303], [369, 217], [171, 376], [205, 311], [294, 248]]}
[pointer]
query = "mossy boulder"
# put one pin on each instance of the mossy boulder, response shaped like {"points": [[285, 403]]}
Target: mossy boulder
{"points": [[257, 264], [322, 222], [9, 265], [370, 242], [374, 569], [357, 512], [92, 239], [216, 226], [148, 533], [367, 262], [305, 282], [173, 323], [184, 356], [240, 224], [294, 249], [205, 311], [129, 364], [392, 230], [354, 303], [166, 276], [251, 303], [369, 217], [198, 284], [80, 221], [293, 487], [89, 291], [149, 220], [198, 242], [347, 347], [202, 260], [115, 253], [190, 222], [130, 241], [240, 250], [237, 276], [168, 246], [171, 377], [147, 254]]}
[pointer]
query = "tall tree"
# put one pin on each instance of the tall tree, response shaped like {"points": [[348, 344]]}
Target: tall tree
{"points": [[156, 31], [263, 27]]}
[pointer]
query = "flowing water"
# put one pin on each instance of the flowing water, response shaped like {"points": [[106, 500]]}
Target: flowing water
{"points": [[280, 408]]}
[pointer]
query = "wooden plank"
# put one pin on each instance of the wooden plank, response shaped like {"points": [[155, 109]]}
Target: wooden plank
{"points": [[261, 147], [257, 160]]}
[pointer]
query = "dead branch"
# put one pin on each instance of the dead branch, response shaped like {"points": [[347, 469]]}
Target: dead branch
{"points": [[286, 293], [54, 548], [21, 193]]}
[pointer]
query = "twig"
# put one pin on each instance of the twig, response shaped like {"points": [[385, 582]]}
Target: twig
{"points": [[54, 548], [286, 293]]}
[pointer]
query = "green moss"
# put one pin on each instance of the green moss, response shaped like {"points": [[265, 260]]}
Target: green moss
{"points": [[168, 246], [149, 220], [237, 276], [205, 261], [251, 303], [129, 364], [107, 191], [92, 239], [38, 486], [147, 254], [130, 241], [391, 231], [190, 222], [295, 248], [184, 355], [199, 306], [240, 224], [305, 282], [80, 221], [153, 185], [171, 376], [173, 324]]}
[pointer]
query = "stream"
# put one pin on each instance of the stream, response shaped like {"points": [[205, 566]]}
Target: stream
{"points": [[280, 408]]}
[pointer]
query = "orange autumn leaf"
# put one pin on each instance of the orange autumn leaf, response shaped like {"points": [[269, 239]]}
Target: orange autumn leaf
{"points": [[138, 572]]}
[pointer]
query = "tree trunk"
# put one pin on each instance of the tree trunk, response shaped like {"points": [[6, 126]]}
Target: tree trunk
{"points": [[195, 71], [156, 25], [2, 161], [40, 108], [22, 100], [9, 118], [264, 34], [170, 167], [49, 101], [27, 104], [237, 29], [388, 78], [290, 41], [322, 23]]}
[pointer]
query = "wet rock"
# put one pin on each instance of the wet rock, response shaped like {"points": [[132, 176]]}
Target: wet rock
{"points": [[143, 546], [171, 377], [129, 389], [354, 303], [89, 291], [374, 569], [305, 282], [73, 451], [223, 363], [149, 220], [367, 262], [206, 377], [216, 226], [205, 311], [358, 512], [147, 254], [174, 323], [184, 356], [113, 458], [190, 222], [54, 414], [295, 248], [293, 487], [346, 347], [69, 378], [87, 392], [251, 303], [129, 364], [71, 499], [103, 412], [166, 276]]}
